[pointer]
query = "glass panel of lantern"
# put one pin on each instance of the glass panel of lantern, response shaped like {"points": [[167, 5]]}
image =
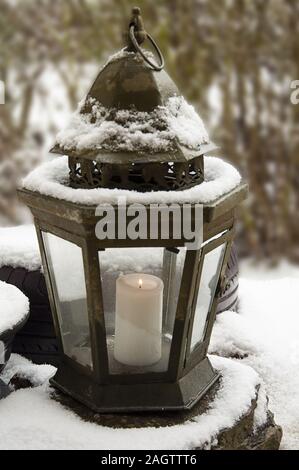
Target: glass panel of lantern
{"points": [[140, 289], [65, 264], [209, 278]]}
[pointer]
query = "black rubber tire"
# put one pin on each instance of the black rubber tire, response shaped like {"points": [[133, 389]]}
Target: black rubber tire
{"points": [[4, 390], [7, 338], [7, 351], [37, 339]]}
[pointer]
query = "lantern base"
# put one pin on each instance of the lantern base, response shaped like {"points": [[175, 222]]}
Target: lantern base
{"points": [[120, 398]]}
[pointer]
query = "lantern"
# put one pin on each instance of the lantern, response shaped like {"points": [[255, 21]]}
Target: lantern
{"points": [[133, 315]]}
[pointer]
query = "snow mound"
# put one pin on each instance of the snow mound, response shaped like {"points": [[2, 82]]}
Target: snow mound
{"points": [[266, 335], [119, 130], [14, 307], [52, 179], [19, 247], [36, 374], [51, 426], [233, 336]]}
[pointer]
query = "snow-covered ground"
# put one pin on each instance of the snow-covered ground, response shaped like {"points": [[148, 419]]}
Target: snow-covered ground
{"points": [[29, 419], [267, 332]]}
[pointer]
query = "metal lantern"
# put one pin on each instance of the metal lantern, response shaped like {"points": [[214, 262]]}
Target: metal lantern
{"points": [[133, 317]]}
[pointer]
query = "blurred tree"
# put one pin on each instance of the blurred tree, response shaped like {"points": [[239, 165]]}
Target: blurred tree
{"points": [[233, 59]]}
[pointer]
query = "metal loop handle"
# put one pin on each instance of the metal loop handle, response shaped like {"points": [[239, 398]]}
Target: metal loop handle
{"points": [[154, 66]]}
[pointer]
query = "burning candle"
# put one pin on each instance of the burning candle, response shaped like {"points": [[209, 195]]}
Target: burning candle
{"points": [[138, 320]]}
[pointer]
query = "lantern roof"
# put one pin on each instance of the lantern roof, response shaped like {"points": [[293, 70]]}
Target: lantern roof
{"points": [[134, 112]]}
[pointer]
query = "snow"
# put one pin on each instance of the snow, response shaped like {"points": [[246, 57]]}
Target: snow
{"points": [[36, 374], [14, 307], [260, 271], [19, 247], [266, 335], [119, 130], [262, 408], [51, 426], [52, 178]]}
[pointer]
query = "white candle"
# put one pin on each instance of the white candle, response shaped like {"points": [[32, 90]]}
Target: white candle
{"points": [[138, 320]]}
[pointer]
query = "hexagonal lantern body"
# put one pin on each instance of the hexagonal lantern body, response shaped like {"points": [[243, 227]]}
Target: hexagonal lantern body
{"points": [[133, 317], [81, 273]]}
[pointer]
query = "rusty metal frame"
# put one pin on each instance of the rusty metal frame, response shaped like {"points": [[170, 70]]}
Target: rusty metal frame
{"points": [[200, 351]]}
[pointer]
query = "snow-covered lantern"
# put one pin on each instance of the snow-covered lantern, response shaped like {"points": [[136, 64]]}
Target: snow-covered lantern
{"points": [[133, 315]]}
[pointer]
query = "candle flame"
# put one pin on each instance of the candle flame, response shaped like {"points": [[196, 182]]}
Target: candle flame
{"points": [[140, 283]]}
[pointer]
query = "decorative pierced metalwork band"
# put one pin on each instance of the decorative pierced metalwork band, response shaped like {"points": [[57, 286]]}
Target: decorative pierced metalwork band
{"points": [[166, 176]]}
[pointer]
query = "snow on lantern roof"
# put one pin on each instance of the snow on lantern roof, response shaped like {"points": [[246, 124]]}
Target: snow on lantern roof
{"points": [[133, 112], [172, 131]]}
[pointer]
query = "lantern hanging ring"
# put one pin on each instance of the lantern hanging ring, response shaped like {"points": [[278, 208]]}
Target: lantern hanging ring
{"points": [[137, 35], [154, 66]]}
